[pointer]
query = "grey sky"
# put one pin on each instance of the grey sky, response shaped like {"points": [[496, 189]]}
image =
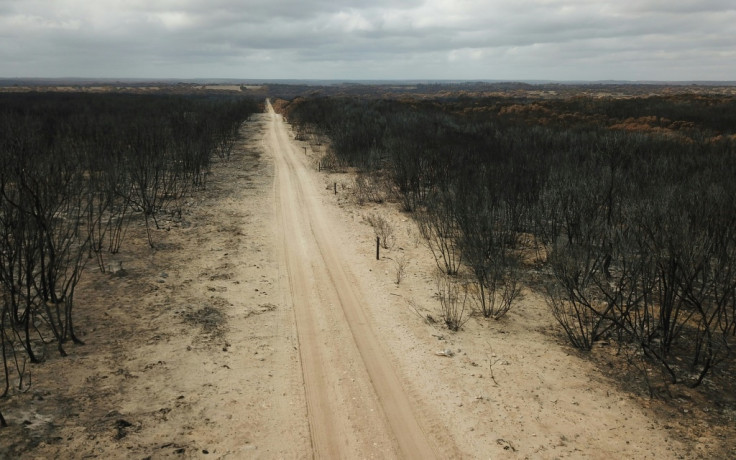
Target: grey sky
{"points": [[376, 39]]}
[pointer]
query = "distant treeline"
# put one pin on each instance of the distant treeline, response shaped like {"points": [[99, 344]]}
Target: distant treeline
{"points": [[479, 92], [686, 115], [74, 169], [630, 205]]}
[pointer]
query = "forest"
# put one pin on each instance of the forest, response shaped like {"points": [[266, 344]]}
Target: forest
{"points": [[75, 171], [620, 211]]}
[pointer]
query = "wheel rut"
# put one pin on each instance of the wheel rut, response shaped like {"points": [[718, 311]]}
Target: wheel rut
{"points": [[356, 403]]}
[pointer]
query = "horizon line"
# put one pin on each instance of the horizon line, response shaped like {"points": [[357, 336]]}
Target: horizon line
{"points": [[201, 80]]}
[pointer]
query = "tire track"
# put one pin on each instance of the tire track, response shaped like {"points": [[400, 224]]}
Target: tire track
{"points": [[327, 301]]}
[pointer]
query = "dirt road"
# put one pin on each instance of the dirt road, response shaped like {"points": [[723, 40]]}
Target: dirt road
{"points": [[356, 403]]}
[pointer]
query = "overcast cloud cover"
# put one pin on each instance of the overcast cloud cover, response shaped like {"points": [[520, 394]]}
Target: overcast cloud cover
{"points": [[370, 39]]}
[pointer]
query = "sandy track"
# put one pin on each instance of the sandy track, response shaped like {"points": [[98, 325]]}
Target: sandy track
{"points": [[369, 413]]}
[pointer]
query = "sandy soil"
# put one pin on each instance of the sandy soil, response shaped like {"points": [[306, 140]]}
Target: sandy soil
{"points": [[263, 326]]}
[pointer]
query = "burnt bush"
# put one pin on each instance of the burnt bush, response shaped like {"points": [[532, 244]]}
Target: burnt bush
{"points": [[631, 202], [74, 168]]}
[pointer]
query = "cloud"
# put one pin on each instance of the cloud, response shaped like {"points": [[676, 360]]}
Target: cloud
{"points": [[544, 39]]}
